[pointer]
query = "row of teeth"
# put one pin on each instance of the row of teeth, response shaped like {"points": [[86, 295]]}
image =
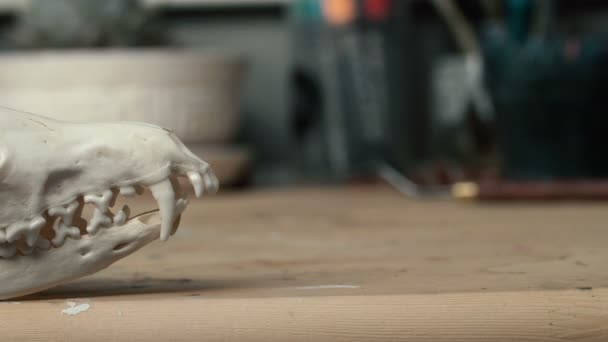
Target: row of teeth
{"points": [[24, 237]]}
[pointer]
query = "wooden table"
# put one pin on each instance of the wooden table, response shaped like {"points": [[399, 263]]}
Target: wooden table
{"points": [[350, 264]]}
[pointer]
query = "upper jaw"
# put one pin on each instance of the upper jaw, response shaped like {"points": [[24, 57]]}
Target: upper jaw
{"points": [[77, 258], [25, 236]]}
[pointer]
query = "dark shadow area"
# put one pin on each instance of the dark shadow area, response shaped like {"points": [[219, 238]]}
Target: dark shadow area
{"points": [[120, 287]]}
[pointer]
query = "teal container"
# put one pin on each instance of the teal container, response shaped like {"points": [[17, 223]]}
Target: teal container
{"points": [[550, 105]]}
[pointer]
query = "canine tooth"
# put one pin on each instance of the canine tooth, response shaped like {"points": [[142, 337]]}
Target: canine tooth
{"points": [[197, 182], [7, 250], [164, 194], [121, 217], [2, 236], [181, 205]]}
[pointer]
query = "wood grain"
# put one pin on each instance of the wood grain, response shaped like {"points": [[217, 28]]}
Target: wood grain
{"points": [[350, 264], [509, 316]]}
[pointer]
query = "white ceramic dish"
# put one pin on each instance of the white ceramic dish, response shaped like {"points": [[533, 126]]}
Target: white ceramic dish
{"points": [[195, 93]]}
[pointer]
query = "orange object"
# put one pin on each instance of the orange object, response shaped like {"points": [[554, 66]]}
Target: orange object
{"points": [[339, 12]]}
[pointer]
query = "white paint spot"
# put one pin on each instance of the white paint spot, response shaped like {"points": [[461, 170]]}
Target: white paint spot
{"points": [[317, 287], [75, 309]]}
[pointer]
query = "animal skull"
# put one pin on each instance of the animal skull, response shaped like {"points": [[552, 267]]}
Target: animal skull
{"points": [[50, 170]]}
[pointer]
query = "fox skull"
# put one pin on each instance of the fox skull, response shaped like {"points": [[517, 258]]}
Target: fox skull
{"points": [[49, 170]]}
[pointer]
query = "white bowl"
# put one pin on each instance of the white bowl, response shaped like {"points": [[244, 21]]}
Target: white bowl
{"points": [[193, 92]]}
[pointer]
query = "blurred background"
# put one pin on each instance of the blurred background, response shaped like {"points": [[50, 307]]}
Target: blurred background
{"points": [[463, 98]]}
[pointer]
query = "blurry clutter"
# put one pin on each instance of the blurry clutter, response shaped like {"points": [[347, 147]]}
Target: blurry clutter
{"points": [[427, 95]]}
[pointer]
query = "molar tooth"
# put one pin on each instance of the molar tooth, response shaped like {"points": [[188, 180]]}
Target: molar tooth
{"points": [[99, 219], [14, 231], [128, 191], [8, 250], [43, 244], [24, 249], [164, 194], [102, 203], [33, 233], [65, 212], [121, 217], [197, 182], [62, 231], [62, 226], [31, 230]]}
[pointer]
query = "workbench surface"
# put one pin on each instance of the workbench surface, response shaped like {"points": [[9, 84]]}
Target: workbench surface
{"points": [[359, 263]]}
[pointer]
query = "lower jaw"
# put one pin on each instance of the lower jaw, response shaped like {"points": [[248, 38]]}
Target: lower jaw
{"points": [[44, 269]]}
